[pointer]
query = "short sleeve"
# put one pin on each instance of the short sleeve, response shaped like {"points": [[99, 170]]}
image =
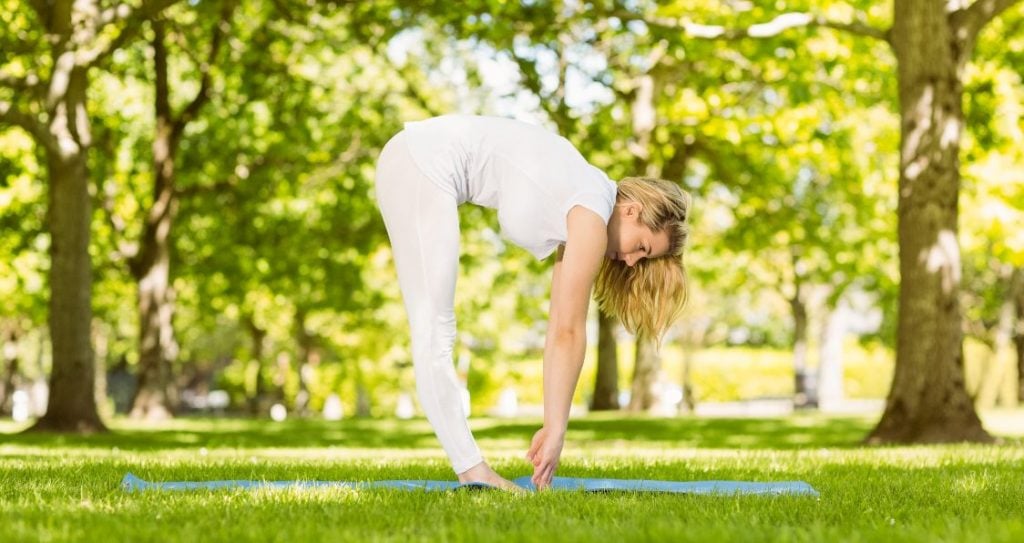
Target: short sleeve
{"points": [[595, 202]]}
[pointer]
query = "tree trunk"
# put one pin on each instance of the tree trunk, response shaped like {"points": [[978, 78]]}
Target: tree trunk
{"points": [[689, 403], [993, 387], [151, 269], [1018, 338], [928, 401], [803, 393], [72, 400], [606, 381], [156, 397], [645, 375], [363, 400], [305, 341], [10, 367], [258, 336], [997, 368], [694, 331], [830, 359]]}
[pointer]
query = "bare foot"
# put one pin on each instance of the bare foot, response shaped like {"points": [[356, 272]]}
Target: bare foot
{"points": [[482, 473]]}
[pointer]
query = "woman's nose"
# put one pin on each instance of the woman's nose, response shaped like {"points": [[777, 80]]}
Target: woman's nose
{"points": [[631, 259]]}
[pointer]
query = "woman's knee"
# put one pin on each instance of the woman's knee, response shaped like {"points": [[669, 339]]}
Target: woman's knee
{"points": [[434, 338]]}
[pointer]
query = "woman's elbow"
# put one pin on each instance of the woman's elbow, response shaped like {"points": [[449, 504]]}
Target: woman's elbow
{"points": [[567, 334]]}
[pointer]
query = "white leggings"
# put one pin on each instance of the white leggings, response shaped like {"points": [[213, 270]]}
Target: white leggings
{"points": [[422, 221]]}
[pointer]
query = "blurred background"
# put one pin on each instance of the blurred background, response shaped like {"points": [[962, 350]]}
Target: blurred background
{"points": [[236, 263]]}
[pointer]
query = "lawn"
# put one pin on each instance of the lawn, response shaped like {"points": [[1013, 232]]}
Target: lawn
{"points": [[60, 488]]}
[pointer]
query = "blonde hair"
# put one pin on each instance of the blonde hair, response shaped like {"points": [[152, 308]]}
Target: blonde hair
{"points": [[649, 296]]}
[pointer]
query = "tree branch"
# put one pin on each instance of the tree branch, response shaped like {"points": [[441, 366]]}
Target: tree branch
{"points": [[204, 190], [532, 81], [125, 250], [132, 19], [27, 84], [776, 26], [416, 94], [12, 116], [220, 30], [969, 21]]}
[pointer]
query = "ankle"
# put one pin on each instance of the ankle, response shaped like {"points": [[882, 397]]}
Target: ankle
{"points": [[474, 473]]}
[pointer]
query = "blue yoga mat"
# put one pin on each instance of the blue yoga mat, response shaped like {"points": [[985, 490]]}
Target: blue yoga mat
{"points": [[132, 483]]}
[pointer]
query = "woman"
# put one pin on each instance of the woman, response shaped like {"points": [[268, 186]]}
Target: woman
{"points": [[628, 238]]}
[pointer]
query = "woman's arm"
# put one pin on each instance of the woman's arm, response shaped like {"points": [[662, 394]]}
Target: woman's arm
{"points": [[565, 345]]}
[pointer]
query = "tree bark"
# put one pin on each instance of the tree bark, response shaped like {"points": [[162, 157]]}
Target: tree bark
{"points": [[689, 403], [259, 336], [9, 350], [155, 397], [997, 367], [994, 387], [830, 359], [928, 401], [645, 375], [606, 381], [71, 405], [803, 395], [691, 341], [306, 344], [1018, 338], [58, 119]]}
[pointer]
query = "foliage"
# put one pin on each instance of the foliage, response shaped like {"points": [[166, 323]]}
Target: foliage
{"points": [[789, 145]]}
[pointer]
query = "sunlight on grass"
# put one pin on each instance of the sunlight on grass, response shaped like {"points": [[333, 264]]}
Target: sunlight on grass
{"points": [[65, 488]]}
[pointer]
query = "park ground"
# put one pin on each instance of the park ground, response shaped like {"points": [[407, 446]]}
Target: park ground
{"points": [[65, 488]]}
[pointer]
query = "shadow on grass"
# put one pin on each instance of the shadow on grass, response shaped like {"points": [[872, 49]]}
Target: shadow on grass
{"points": [[805, 431], [797, 432], [241, 433]]}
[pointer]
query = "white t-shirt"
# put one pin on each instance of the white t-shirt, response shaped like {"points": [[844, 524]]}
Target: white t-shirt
{"points": [[533, 177]]}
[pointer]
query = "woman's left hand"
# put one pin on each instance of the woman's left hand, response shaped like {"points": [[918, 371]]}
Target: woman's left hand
{"points": [[545, 450]]}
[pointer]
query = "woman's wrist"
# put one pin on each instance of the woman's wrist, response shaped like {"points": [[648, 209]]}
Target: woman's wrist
{"points": [[556, 428]]}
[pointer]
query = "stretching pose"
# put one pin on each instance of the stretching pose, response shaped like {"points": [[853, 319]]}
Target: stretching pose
{"points": [[629, 238]]}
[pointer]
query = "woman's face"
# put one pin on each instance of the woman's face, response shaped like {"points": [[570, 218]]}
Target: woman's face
{"points": [[629, 240]]}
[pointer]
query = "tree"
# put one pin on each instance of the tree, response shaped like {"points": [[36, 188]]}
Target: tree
{"points": [[928, 401], [932, 43], [50, 102], [148, 259]]}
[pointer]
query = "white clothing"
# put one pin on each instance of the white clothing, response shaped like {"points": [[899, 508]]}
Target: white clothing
{"points": [[423, 224], [533, 177]]}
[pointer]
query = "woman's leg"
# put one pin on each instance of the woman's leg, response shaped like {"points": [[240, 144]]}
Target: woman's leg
{"points": [[422, 222]]}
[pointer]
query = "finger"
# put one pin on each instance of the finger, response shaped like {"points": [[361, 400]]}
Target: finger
{"points": [[532, 452], [549, 472], [541, 474], [536, 479], [546, 477]]}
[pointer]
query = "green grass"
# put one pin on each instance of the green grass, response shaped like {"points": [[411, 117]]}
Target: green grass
{"points": [[60, 488]]}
